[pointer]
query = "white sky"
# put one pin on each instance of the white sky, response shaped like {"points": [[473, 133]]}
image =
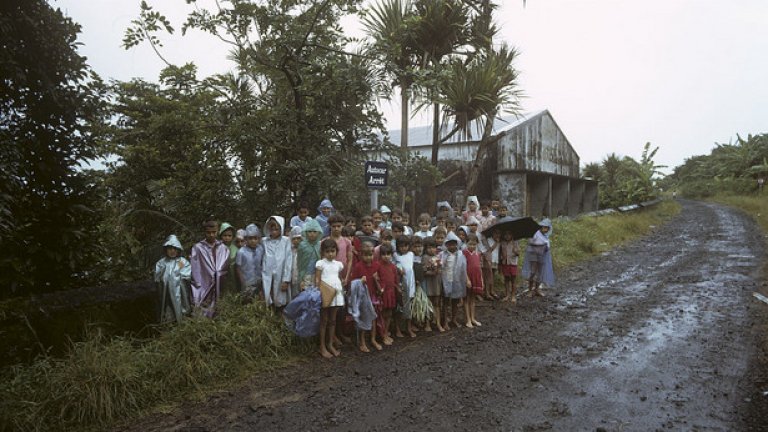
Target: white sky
{"points": [[682, 74]]}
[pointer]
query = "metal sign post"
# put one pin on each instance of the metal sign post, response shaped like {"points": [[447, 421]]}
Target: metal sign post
{"points": [[376, 177]]}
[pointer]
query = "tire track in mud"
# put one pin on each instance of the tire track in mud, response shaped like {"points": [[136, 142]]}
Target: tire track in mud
{"points": [[659, 334]]}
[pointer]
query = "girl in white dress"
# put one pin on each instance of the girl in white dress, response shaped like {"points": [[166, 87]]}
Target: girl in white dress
{"points": [[327, 270]]}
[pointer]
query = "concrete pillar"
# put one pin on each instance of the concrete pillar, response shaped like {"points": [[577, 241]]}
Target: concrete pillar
{"points": [[560, 192]]}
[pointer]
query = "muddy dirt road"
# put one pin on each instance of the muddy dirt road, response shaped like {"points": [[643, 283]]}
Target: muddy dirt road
{"points": [[661, 334]]}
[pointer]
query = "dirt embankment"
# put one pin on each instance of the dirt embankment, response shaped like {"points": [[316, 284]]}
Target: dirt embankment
{"points": [[661, 334]]}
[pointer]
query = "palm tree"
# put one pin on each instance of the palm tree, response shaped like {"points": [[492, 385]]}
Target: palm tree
{"points": [[390, 25], [474, 95]]}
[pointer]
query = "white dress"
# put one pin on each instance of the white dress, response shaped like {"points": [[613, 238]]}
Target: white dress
{"points": [[330, 275]]}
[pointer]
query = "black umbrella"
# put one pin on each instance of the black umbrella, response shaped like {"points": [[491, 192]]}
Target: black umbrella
{"points": [[522, 227]]}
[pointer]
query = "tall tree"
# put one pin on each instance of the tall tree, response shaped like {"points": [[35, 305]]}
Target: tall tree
{"points": [[49, 100], [304, 111]]}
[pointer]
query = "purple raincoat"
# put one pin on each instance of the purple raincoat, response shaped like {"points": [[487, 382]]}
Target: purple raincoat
{"points": [[209, 266]]}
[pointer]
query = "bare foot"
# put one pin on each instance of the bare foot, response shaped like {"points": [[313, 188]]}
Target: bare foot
{"points": [[334, 351], [399, 334], [539, 293], [505, 299], [428, 328], [456, 324], [412, 334], [388, 341], [514, 301], [337, 342], [440, 329], [345, 339], [476, 323], [325, 354], [377, 346], [447, 326], [364, 348], [469, 324]]}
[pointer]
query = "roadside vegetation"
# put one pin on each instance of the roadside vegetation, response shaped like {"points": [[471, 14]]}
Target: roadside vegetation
{"points": [[103, 381]]}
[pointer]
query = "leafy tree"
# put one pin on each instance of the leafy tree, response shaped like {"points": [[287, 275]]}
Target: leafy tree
{"points": [[49, 102], [170, 171]]}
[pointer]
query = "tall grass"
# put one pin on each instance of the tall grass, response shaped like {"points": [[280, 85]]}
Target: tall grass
{"points": [[102, 381], [576, 240], [755, 206]]}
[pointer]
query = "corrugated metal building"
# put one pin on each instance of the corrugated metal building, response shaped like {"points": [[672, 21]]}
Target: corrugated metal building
{"points": [[533, 168]]}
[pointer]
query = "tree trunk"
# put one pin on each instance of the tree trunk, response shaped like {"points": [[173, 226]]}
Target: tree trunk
{"points": [[432, 189], [482, 154], [404, 111]]}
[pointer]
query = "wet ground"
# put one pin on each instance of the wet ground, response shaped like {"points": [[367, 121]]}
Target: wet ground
{"points": [[660, 334]]}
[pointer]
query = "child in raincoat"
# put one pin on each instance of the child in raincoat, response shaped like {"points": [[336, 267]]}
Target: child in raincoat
{"points": [[325, 210], [248, 263], [309, 253], [537, 267], [473, 206], [277, 265], [172, 274], [404, 259], [454, 277], [210, 264], [295, 280]]}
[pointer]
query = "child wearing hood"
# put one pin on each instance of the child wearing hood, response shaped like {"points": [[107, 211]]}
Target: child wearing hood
{"points": [[277, 265], [172, 274], [240, 238], [386, 221], [295, 280], [325, 209], [248, 263], [210, 263], [309, 253], [454, 277], [537, 267], [473, 206]]}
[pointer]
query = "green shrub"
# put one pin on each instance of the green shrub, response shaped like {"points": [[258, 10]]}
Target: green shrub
{"points": [[100, 381]]}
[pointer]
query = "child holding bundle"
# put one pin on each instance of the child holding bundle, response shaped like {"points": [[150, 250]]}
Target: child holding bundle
{"points": [[367, 270], [327, 278], [432, 286], [404, 259]]}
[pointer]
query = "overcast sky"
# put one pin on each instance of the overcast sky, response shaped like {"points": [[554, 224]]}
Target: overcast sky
{"points": [[682, 74]]}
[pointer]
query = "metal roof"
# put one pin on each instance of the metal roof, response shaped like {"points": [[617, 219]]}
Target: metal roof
{"points": [[422, 135]]}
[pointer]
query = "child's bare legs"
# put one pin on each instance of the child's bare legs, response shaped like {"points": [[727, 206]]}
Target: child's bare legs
{"points": [[533, 280], [472, 310], [331, 331], [411, 331], [373, 336], [455, 311], [398, 319], [386, 338], [361, 344], [468, 309], [324, 312], [436, 301]]}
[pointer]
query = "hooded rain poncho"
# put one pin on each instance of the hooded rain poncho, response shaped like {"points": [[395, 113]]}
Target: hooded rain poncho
{"points": [[210, 264], [277, 266], [322, 219], [173, 275], [309, 254], [455, 284]]}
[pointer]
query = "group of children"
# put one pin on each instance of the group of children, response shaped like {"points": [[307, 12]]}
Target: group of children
{"points": [[392, 279]]}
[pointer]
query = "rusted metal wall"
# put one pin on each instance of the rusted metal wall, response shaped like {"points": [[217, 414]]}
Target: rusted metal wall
{"points": [[537, 144]]}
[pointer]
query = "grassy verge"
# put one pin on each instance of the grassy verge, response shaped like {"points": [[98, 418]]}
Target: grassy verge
{"points": [[754, 205], [576, 240], [103, 381]]}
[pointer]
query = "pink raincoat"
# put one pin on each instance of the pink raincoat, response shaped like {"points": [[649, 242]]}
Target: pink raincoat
{"points": [[210, 263]]}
